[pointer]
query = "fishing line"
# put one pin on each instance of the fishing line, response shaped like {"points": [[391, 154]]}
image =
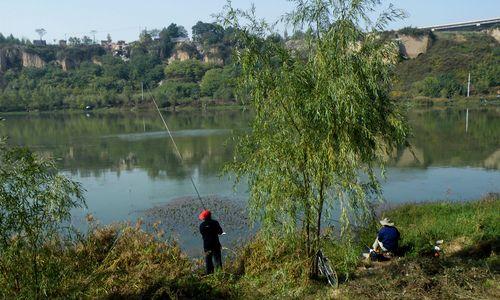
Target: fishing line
{"points": [[175, 145]]}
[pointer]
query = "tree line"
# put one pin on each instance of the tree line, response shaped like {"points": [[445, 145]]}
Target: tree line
{"points": [[97, 78]]}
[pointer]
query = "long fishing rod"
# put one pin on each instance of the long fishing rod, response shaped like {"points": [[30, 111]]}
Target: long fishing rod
{"points": [[175, 145]]}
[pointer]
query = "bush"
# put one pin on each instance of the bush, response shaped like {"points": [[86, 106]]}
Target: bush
{"points": [[219, 83], [34, 202], [177, 92], [415, 32], [190, 70], [445, 86]]}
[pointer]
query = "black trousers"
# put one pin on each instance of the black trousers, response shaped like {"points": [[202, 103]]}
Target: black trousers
{"points": [[210, 257]]}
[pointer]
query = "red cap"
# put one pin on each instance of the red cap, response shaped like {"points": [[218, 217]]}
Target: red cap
{"points": [[204, 214]]}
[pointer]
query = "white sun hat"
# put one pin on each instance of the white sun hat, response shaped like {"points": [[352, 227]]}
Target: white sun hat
{"points": [[386, 222]]}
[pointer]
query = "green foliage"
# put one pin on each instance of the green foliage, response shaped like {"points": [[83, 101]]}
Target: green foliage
{"points": [[415, 32], [35, 203], [174, 92], [323, 118], [11, 40], [130, 262], [207, 33], [145, 68], [219, 83], [445, 86], [190, 70]]}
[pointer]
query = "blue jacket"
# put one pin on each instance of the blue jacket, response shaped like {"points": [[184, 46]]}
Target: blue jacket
{"points": [[389, 237]]}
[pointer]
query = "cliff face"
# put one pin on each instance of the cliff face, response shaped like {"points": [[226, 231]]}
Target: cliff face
{"points": [[68, 64], [179, 55], [412, 47], [495, 33], [16, 57], [31, 60], [184, 51]]}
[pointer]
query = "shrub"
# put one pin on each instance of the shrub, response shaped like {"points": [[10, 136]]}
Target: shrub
{"points": [[34, 202], [177, 92]]}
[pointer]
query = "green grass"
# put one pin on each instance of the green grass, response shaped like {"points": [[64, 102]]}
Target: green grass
{"points": [[143, 265], [472, 222]]}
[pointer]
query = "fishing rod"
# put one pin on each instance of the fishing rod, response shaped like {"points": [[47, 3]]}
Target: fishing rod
{"points": [[175, 145]]}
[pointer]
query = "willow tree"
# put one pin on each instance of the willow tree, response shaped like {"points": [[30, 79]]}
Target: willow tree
{"points": [[324, 121], [35, 209]]}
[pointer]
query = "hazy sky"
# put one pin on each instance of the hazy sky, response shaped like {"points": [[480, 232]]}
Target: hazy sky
{"points": [[123, 19]]}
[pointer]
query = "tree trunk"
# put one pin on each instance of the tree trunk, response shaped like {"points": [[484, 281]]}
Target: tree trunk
{"points": [[308, 231], [317, 240]]}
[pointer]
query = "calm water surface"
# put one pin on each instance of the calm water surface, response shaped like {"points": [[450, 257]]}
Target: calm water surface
{"points": [[126, 162]]}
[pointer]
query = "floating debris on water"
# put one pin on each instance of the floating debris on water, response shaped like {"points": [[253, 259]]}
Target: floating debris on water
{"points": [[179, 219]]}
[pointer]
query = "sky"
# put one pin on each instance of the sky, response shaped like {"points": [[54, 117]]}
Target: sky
{"points": [[124, 19]]}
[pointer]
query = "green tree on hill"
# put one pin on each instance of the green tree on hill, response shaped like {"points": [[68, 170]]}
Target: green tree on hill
{"points": [[190, 70], [219, 83]]}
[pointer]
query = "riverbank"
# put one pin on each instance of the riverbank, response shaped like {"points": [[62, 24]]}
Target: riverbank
{"points": [[420, 101], [128, 263], [461, 102]]}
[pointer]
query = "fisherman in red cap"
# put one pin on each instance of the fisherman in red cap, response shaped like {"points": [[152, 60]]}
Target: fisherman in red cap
{"points": [[210, 231]]}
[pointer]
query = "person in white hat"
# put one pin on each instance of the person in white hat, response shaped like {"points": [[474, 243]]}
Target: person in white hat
{"points": [[387, 238]]}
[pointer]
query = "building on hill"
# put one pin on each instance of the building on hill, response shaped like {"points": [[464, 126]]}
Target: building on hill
{"points": [[39, 43], [121, 49]]}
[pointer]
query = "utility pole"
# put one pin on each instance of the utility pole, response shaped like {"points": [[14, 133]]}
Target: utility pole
{"points": [[468, 87], [467, 121], [142, 92]]}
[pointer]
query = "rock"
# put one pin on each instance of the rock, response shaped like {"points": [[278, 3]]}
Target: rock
{"points": [[31, 60], [412, 46], [495, 33]]}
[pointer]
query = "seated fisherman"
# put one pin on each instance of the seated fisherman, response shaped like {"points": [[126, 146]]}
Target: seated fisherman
{"points": [[387, 240]]}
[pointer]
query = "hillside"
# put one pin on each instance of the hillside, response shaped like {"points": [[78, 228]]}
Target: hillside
{"points": [[78, 73], [443, 70], [180, 71]]}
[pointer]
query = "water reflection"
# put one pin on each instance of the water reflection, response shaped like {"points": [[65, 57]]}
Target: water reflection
{"points": [[440, 139], [102, 142], [89, 146]]}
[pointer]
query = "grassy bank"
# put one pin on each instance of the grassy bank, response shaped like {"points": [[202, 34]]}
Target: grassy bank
{"points": [[126, 262], [469, 267]]}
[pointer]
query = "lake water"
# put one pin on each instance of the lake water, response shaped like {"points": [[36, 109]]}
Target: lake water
{"points": [[126, 162]]}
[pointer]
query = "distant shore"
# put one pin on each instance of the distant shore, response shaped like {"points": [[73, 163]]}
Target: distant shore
{"points": [[471, 102]]}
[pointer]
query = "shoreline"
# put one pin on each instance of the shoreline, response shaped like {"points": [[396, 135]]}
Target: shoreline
{"points": [[416, 102]]}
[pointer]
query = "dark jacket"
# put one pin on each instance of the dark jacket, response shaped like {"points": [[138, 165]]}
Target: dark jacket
{"points": [[210, 231], [389, 237]]}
